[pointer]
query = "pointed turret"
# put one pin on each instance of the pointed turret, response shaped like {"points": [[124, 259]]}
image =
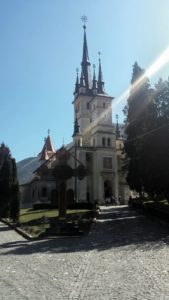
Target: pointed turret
{"points": [[76, 128], [100, 82], [94, 86], [85, 64], [117, 129], [77, 82], [82, 80], [48, 149]]}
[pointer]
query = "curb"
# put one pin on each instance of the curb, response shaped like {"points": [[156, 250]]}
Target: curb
{"points": [[18, 230]]}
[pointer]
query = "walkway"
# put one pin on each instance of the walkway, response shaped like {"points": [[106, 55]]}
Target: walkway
{"points": [[125, 257]]}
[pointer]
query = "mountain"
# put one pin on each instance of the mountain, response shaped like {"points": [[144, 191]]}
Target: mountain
{"points": [[26, 167]]}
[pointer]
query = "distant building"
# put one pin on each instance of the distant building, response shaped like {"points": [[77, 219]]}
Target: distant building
{"points": [[97, 144]]}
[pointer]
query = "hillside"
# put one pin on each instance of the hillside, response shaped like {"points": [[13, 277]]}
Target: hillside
{"points": [[26, 167]]}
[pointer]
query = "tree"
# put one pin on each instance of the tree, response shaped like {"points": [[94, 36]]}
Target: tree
{"points": [[140, 118], [161, 144], [5, 171], [9, 190], [147, 129], [14, 199]]}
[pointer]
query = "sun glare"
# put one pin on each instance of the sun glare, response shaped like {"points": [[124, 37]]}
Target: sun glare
{"points": [[162, 60]]}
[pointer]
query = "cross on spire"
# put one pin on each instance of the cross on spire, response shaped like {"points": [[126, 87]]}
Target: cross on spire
{"points": [[77, 71], [85, 61], [84, 20]]}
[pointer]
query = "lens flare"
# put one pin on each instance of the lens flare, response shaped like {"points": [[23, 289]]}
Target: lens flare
{"points": [[161, 61]]}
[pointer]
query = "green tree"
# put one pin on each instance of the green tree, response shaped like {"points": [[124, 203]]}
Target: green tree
{"points": [[161, 141], [140, 118], [5, 172], [9, 190], [14, 199]]}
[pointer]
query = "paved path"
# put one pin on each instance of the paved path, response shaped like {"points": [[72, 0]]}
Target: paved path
{"points": [[126, 256]]}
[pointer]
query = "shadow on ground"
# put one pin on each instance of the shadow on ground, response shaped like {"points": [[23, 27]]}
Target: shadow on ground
{"points": [[116, 227]]}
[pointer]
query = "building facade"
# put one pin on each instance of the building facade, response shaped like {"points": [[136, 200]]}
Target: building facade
{"points": [[96, 141], [97, 144]]}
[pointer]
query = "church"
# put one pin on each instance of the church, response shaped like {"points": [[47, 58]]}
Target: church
{"points": [[97, 144]]}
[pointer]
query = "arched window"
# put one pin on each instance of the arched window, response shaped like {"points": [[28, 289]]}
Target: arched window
{"points": [[103, 141], [104, 105]]}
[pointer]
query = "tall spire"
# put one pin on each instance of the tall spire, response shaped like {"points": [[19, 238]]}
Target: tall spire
{"points": [[76, 127], [94, 86], [117, 128], [85, 59], [77, 82], [100, 82]]}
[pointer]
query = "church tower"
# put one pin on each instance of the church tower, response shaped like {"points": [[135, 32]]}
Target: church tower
{"points": [[94, 140], [92, 106]]}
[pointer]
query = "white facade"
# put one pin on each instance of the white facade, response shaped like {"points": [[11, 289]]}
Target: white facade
{"points": [[96, 145], [97, 150]]}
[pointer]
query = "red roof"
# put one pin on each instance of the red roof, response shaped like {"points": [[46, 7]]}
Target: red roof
{"points": [[48, 150]]}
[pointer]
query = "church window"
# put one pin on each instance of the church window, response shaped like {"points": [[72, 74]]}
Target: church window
{"points": [[44, 192], [108, 142], [107, 162], [93, 142], [104, 105], [103, 141], [88, 106]]}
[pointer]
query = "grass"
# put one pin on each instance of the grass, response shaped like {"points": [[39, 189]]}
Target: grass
{"points": [[36, 221], [161, 204]]}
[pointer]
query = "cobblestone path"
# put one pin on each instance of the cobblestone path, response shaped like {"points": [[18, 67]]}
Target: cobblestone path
{"points": [[125, 256]]}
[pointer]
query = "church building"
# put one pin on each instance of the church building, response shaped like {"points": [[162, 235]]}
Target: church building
{"points": [[97, 144]]}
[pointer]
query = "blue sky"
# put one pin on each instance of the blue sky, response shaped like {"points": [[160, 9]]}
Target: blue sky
{"points": [[41, 46]]}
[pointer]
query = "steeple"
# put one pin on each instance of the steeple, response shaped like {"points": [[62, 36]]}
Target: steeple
{"points": [[100, 83], [117, 128], [94, 86], [77, 82], [48, 149], [85, 64], [76, 127]]}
